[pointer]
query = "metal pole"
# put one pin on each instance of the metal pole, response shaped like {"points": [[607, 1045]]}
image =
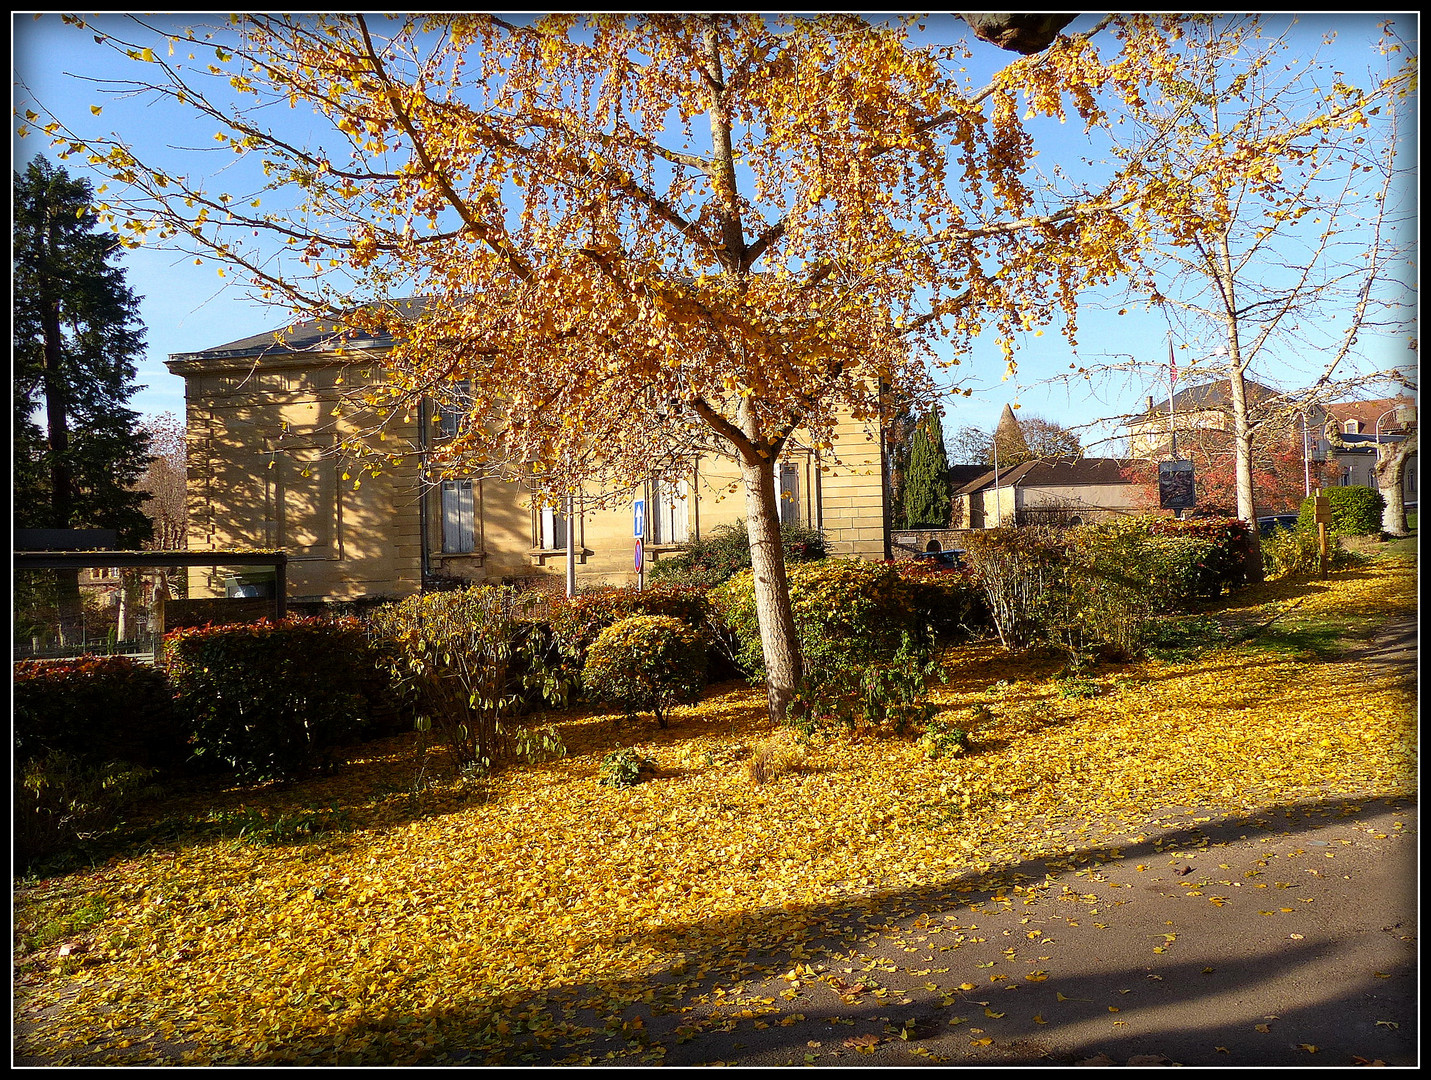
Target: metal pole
{"points": [[998, 516], [1306, 458], [1172, 379], [570, 547]]}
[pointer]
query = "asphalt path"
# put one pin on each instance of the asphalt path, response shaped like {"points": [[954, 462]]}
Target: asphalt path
{"points": [[1285, 937]]}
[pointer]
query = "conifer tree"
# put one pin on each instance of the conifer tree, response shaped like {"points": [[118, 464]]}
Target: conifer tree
{"points": [[76, 341], [926, 482], [77, 449]]}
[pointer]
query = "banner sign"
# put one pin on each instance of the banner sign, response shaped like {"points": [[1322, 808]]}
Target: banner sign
{"points": [[1176, 490]]}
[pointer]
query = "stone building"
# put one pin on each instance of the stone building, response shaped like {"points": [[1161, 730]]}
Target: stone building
{"points": [[266, 414]]}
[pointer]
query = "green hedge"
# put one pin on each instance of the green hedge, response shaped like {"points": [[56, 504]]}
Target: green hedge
{"points": [[845, 612], [1096, 585], [725, 551], [270, 700], [96, 709], [1356, 511], [948, 602]]}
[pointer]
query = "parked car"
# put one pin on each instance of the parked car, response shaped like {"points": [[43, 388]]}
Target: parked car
{"points": [[1266, 526], [953, 557]]}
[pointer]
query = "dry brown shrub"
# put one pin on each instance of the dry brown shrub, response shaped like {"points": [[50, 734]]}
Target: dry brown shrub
{"points": [[772, 758]]}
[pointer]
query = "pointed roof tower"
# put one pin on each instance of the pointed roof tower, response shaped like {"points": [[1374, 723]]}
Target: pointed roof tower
{"points": [[1009, 439]]}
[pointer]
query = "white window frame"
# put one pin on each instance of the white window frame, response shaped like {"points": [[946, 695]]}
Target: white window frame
{"points": [[787, 480], [460, 503], [668, 510]]}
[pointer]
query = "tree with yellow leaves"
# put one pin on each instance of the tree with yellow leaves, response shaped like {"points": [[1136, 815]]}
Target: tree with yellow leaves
{"points": [[636, 235]]}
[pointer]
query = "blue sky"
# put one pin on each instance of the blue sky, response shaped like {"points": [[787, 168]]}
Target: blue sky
{"points": [[187, 308]]}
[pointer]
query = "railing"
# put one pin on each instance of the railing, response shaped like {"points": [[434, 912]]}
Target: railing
{"points": [[142, 648]]}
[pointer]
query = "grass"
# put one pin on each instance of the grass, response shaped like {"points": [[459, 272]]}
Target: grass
{"points": [[393, 913]]}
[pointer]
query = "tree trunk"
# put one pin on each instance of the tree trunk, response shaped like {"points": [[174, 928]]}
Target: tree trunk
{"points": [[1242, 428], [1390, 474], [778, 642]]}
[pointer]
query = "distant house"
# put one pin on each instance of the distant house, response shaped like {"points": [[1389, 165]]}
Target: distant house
{"points": [[1203, 408], [1062, 491], [1360, 426]]}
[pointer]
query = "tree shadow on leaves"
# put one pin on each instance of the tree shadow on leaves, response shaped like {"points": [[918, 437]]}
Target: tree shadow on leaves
{"points": [[719, 995]]}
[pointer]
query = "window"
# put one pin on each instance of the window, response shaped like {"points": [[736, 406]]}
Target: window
{"points": [[459, 517], [668, 521], [1351, 427], [789, 494], [451, 408], [551, 526]]}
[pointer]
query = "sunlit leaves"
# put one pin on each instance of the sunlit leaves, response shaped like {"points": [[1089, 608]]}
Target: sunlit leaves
{"points": [[461, 912]]}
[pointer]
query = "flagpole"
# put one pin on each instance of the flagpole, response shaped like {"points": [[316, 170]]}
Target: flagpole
{"points": [[1172, 379]]}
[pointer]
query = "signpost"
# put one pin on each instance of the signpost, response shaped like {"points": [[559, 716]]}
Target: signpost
{"points": [[639, 531], [1176, 489], [1322, 514]]}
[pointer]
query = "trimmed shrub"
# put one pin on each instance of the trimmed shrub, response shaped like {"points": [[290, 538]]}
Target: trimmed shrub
{"points": [[948, 601], [62, 800], [647, 663], [270, 700], [864, 644], [452, 652], [725, 551], [1219, 568], [845, 612], [96, 709], [577, 622], [1356, 511]]}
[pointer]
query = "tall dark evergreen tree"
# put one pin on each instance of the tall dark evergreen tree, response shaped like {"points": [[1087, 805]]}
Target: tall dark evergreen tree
{"points": [[926, 479], [78, 449]]}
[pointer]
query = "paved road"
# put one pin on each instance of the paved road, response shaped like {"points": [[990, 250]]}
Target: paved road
{"points": [[1284, 939]]}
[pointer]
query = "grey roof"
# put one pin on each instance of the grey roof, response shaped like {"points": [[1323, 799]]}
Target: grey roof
{"points": [[1213, 395], [1053, 472], [306, 335]]}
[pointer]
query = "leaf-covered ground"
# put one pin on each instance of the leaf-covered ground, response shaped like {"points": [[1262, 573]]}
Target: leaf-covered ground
{"points": [[372, 917]]}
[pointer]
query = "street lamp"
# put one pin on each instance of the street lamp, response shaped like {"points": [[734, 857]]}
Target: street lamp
{"points": [[1405, 415]]}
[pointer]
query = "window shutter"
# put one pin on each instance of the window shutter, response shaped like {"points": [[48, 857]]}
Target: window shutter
{"points": [[553, 529], [789, 494], [680, 519], [459, 517]]}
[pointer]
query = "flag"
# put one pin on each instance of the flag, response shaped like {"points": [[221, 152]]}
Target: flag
{"points": [[1172, 366]]}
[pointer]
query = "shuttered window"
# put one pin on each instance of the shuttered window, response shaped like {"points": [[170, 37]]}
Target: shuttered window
{"points": [[459, 517], [552, 526], [669, 518], [789, 495]]}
